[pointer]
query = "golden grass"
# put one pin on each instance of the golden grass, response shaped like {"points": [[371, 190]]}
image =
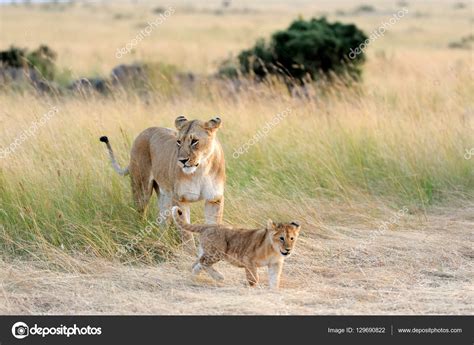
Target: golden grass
{"points": [[372, 144], [420, 266]]}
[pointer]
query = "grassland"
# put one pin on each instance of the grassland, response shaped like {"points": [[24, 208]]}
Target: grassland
{"points": [[342, 162]]}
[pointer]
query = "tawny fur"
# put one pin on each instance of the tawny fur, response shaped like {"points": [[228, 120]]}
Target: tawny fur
{"points": [[156, 163], [247, 248]]}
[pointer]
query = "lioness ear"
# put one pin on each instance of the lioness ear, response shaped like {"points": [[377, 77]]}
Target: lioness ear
{"points": [[270, 224], [180, 121], [213, 123]]}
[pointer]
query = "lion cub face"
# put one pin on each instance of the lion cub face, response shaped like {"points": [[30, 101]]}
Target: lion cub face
{"points": [[195, 141], [284, 236]]}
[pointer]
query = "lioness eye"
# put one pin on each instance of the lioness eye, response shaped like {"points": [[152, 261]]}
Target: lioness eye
{"points": [[194, 142], [282, 239], [291, 238], [178, 142]]}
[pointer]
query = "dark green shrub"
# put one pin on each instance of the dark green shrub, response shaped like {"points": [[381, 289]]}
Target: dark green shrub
{"points": [[466, 42], [307, 49], [13, 57], [41, 60]]}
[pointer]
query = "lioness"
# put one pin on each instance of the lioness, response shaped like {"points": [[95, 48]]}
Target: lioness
{"points": [[241, 247], [182, 166]]}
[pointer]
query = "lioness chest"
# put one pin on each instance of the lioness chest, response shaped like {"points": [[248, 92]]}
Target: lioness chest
{"points": [[198, 187]]}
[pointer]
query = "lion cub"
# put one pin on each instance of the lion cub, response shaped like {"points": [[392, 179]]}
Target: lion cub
{"points": [[241, 247]]}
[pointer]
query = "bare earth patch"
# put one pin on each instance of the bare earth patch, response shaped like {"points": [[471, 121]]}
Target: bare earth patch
{"points": [[416, 267]]}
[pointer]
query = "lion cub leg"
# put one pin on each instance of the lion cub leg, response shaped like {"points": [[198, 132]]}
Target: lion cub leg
{"points": [[187, 238], [252, 275], [205, 263], [196, 268], [274, 273]]}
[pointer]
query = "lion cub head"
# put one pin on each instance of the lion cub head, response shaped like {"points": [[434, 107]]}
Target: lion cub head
{"points": [[284, 236], [195, 141]]}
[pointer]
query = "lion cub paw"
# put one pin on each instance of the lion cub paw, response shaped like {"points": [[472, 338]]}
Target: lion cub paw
{"points": [[216, 275]]}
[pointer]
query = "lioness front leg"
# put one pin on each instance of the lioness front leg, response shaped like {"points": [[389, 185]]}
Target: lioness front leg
{"points": [[213, 210]]}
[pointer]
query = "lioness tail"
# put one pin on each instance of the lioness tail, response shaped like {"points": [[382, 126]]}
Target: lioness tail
{"points": [[117, 168]]}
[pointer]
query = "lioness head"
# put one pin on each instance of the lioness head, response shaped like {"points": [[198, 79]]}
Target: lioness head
{"points": [[284, 236], [195, 141]]}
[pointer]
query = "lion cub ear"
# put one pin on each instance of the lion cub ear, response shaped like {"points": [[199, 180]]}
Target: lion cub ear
{"points": [[270, 224], [180, 121], [296, 225], [213, 123]]}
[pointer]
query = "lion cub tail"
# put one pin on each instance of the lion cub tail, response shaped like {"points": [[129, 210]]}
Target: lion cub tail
{"points": [[115, 165], [181, 223]]}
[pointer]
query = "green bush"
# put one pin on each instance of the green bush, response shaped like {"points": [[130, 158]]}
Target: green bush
{"points": [[13, 57], [41, 59], [308, 48]]}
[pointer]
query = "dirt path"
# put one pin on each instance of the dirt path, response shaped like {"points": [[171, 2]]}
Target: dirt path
{"points": [[416, 267]]}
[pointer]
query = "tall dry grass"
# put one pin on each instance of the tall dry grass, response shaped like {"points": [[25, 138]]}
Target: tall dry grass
{"points": [[397, 139], [361, 145]]}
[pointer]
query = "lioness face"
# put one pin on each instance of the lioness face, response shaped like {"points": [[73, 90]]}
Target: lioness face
{"points": [[284, 236], [195, 142]]}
